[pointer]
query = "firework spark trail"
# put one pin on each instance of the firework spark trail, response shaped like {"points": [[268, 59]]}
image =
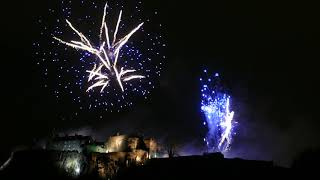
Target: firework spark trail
{"points": [[227, 125], [103, 24], [108, 56], [219, 120]]}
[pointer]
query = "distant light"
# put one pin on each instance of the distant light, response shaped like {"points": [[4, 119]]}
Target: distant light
{"points": [[138, 159], [78, 170]]}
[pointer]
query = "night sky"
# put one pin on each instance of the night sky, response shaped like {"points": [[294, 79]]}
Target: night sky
{"points": [[266, 53]]}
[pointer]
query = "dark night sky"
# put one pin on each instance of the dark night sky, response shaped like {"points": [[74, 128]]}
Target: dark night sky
{"points": [[267, 54]]}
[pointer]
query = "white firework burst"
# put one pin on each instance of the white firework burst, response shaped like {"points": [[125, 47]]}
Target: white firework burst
{"points": [[107, 53]]}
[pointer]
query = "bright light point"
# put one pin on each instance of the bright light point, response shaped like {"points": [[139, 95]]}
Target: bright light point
{"points": [[78, 170], [138, 159]]}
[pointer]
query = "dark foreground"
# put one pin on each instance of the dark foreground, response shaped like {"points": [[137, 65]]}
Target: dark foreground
{"points": [[210, 166]]}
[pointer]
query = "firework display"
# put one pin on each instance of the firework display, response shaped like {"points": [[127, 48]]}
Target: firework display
{"points": [[101, 55], [215, 105]]}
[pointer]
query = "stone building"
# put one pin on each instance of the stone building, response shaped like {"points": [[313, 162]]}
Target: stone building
{"points": [[152, 146], [69, 143], [121, 151]]}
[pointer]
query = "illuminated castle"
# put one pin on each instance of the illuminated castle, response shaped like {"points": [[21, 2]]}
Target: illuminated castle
{"points": [[104, 159]]}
